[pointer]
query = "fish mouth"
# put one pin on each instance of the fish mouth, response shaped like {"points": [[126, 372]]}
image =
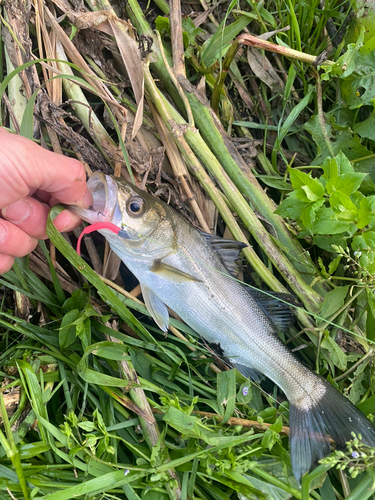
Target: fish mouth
{"points": [[104, 195]]}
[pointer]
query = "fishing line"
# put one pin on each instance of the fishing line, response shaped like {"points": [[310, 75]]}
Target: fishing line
{"points": [[269, 294], [122, 233]]}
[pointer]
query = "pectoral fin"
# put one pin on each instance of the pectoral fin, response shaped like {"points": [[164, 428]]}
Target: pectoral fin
{"points": [[171, 273], [156, 308]]}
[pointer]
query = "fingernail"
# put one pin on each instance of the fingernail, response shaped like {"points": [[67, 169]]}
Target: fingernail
{"points": [[69, 228], [17, 211], [3, 232]]}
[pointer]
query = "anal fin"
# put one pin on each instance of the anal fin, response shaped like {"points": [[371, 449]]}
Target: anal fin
{"points": [[248, 372]]}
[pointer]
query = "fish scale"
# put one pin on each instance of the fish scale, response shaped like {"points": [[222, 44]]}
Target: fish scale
{"points": [[177, 267]]}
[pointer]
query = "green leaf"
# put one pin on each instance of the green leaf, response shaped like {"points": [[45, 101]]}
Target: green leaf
{"points": [[226, 393], [103, 483], [364, 248], [370, 321], [56, 282], [245, 393], [346, 64], [272, 435], [326, 223], [291, 207], [333, 264], [339, 200], [326, 491], [358, 88], [345, 183], [27, 125], [95, 377], [367, 406], [333, 301], [110, 350], [67, 330], [275, 182], [336, 355], [326, 242], [87, 426], [331, 168], [368, 238], [162, 25], [358, 386], [366, 128], [289, 82], [366, 212], [271, 491], [364, 490], [300, 179], [308, 214], [342, 139], [78, 300], [8, 473], [190, 32], [216, 47], [184, 423]]}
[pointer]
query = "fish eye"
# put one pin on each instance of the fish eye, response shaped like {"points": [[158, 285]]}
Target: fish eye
{"points": [[136, 206]]}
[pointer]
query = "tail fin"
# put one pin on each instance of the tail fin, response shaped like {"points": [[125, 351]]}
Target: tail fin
{"points": [[333, 416]]}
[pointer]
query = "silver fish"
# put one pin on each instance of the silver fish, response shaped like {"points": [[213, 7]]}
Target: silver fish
{"points": [[178, 267]]}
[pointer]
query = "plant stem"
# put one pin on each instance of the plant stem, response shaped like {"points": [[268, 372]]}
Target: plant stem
{"points": [[254, 41], [222, 75], [11, 449], [319, 98]]}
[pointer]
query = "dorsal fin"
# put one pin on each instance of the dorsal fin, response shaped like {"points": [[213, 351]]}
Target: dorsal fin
{"points": [[279, 312], [228, 251]]}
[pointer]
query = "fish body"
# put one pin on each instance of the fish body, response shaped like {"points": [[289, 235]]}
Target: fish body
{"points": [[178, 268]]}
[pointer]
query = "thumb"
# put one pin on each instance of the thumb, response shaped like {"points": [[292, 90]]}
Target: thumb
{"points": [[26, 167]]}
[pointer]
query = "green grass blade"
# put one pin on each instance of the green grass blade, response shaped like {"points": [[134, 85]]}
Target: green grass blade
{"points": [[293, 115]]}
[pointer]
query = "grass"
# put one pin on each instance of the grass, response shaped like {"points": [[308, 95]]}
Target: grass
{"points": [[96, 402]]}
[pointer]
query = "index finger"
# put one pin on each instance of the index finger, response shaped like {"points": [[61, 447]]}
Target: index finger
{"points": [[26, 167]]}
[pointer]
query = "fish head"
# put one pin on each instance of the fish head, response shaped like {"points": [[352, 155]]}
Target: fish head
{"points": [[104, 198], [145, 223]]}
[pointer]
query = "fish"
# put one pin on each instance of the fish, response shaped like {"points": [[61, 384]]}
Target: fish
{"points": [[182, 269]]}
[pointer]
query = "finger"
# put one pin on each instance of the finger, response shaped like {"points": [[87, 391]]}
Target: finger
{"points": [[29, 215], [25, 166], [42, 195], [14, 241], [6, 262], [66, 221]]}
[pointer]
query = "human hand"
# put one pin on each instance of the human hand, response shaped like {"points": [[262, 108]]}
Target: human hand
{"points": [[32, 180]]}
